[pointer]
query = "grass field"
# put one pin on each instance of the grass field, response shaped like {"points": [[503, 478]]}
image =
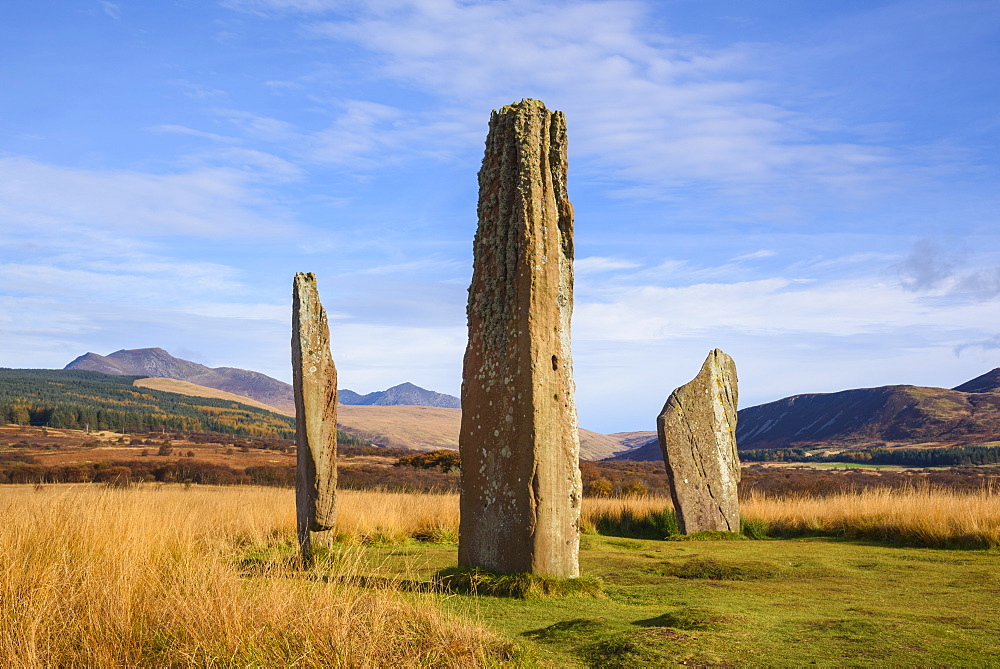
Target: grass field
{"points": [[168, 575]]}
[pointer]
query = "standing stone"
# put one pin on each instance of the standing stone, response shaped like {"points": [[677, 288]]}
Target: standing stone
{"points": [[519, 441], [315, 383], [697, 431]]}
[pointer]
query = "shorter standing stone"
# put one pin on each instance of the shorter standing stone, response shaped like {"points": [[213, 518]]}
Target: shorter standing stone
{"points": [[697, 431], [315, 384]]}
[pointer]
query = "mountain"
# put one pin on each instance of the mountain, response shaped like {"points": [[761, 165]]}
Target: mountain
{"points": [[423, 428], [403, 394], [155, 362], [158, 363], [986, 383], [419, 428], [81, 399], [894, 415]]}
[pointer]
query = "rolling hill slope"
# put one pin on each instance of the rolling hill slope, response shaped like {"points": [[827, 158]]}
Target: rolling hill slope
{"points": [[157, 363], [865, 417], [77, 399]]}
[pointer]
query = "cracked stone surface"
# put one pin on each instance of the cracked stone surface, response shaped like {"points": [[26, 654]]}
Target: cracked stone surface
{"points": [[519, 441], [697, 432], [315, 388]]}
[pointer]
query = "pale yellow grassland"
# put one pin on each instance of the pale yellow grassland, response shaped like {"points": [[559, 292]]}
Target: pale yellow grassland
{"points": [[91, 576], [918, 516], [156, 575], [372, 515]]}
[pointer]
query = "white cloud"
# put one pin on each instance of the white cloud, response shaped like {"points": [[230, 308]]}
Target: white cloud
{"points": [[595, 264], [203, 202], [111, 9], [421, 265], [182, 130], [653, 109], [756, 255], [375, 357], [769, 307]]}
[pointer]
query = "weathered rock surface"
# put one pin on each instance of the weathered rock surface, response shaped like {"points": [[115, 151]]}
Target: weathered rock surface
{"points": [[697, 432], [315, 384], [520, 445]]}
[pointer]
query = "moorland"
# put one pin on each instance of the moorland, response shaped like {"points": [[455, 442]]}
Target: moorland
{"points": [[174, 574]]}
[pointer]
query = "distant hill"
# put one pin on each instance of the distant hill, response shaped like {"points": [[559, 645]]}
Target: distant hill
{"points": [[155, 362], [986, 383], [431, 428], [403, 394], [864, 417], [194, 390], [75, 399], [418, 428]]}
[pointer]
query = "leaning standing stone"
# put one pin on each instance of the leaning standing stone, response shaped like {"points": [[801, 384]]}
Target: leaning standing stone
{"points": [[315, 383], [697, 431], [520, 446]]}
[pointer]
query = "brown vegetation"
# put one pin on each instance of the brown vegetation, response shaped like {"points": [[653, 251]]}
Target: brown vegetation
{"points": [[158, 577], [194, 390]]}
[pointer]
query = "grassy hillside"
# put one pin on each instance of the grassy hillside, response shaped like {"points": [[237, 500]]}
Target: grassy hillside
{"points": [[79, 399], [433, 428], [890, 415], [194, 390]]}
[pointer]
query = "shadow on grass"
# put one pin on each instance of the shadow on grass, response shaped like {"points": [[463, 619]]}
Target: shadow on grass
{"points": [[474, 581], [713, 569], [686, 618], [638, 525]]}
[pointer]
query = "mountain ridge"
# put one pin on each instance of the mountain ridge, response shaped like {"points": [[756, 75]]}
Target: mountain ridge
{"points": [[158, 363], [864, 417]]}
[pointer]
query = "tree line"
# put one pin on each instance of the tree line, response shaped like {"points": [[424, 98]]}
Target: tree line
{"points": [[951, 456], [77, 399]]}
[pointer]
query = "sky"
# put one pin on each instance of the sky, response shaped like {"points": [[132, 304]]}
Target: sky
{"points": [[812, 187]]}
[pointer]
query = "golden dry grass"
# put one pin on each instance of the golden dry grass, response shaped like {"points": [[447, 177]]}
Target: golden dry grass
{"points": [[194, 390], [917, 516], [158, 575], [920, 517], [91, 576]]}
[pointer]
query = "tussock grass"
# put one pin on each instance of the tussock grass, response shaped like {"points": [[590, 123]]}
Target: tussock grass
{"points": [[714, 569], [519, 586], [915, 517], [374, 516], [91, 576]]}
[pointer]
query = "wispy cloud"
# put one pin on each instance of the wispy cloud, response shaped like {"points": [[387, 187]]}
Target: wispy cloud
{"points": [[203, 202], [182, 130], [657, 110], [652, 113], [111, 9], [756, 255], [595, 264], [988, 344], [929, 267]]}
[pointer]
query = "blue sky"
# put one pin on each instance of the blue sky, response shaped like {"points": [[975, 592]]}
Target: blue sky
{"points": [[812, 187]]}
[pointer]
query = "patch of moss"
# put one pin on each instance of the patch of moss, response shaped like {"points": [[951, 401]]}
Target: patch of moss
{"points": [[638, 648], [714, 569], [686, 618], [520, 586], [568, 628], [709, 535]]}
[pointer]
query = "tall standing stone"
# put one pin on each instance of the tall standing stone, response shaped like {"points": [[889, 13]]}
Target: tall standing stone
{"points": [[697, 431], [315, 384], [519, 441]]}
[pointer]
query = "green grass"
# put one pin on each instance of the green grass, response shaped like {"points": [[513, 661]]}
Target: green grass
{"points": [[522, 586], [780, 602]]}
